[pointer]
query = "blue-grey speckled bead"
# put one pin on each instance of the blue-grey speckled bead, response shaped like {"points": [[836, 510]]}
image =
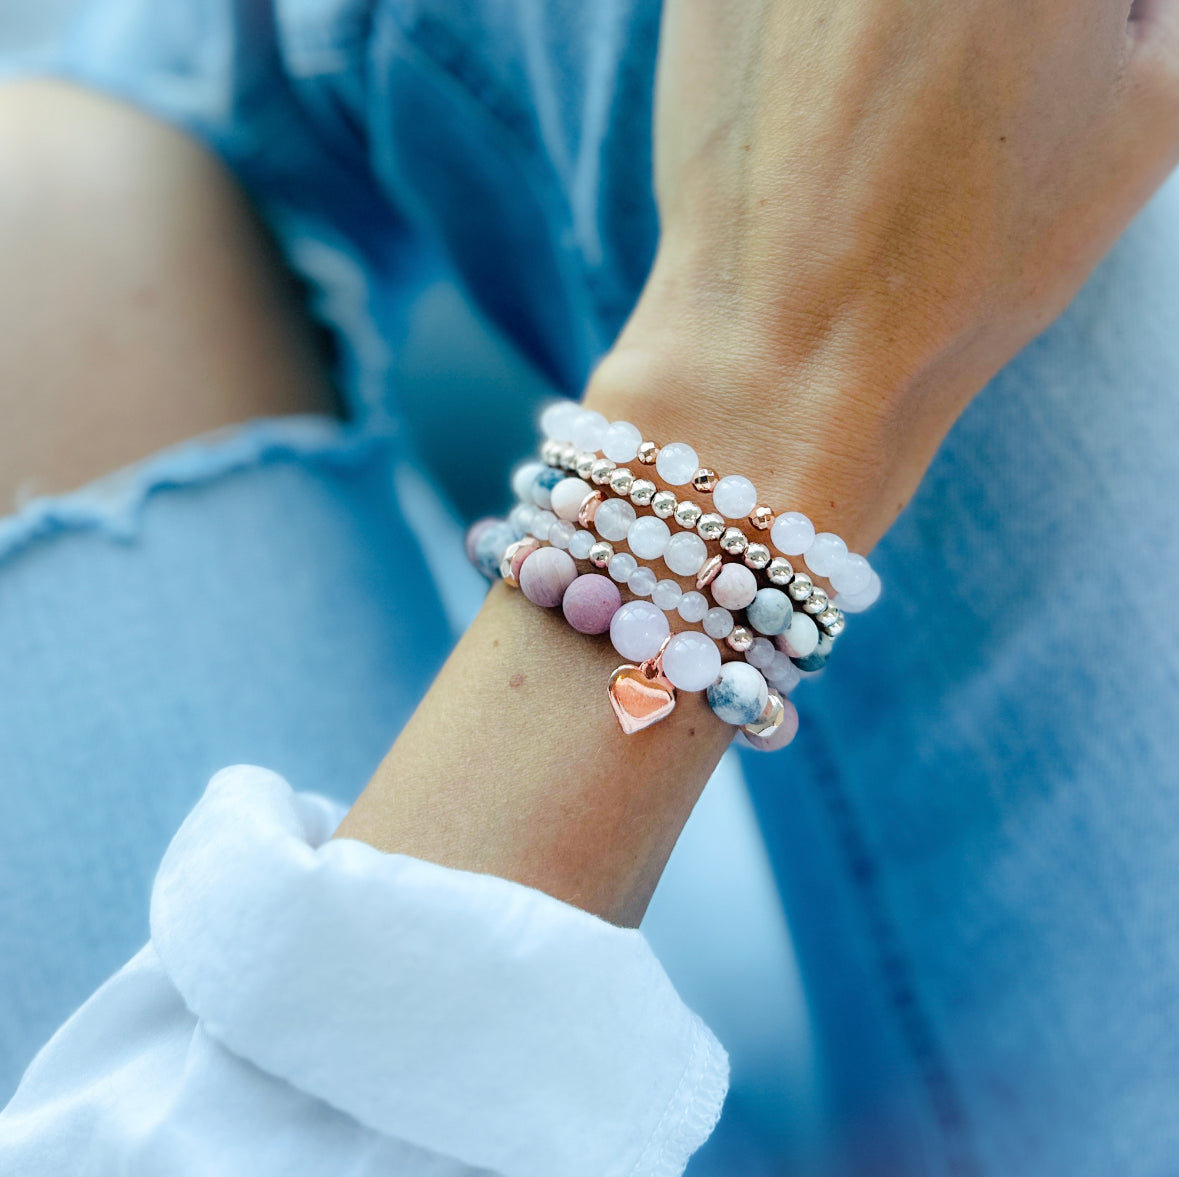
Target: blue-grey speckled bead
{"points": [[490, 547], [542, 487], [817, 659], [770, 612], [739, 695]]}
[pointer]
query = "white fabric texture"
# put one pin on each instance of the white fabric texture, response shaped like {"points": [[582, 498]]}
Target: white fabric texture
{"points": [[308, 1006]]}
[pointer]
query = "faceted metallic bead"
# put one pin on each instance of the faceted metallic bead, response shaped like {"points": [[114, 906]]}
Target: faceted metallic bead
{"points": [[734, 541], [708, 571], [761, 517], [828, 615], [584, 463], [549, 450], [816, 602], [687, 514], [642, 491], [600, 471], [664, 503], [801, 586], [710, 526], [621, 480], [757, 556], [704, 480], [514, 556], [836, 625], [600, 554], [648, 452], [740, 639], [779, 571], [770, 719], [589, 508], [567, 457]]}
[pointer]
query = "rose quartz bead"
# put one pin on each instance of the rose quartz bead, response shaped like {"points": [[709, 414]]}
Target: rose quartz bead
{"points": [[691, 660], [590, 602], [545, 576], [637, 630], [735, 586]]}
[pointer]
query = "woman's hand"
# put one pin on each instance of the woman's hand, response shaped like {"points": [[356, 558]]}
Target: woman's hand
{"points": [[868, 206]]}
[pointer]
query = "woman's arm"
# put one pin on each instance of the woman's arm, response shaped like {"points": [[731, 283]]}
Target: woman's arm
{"points": [[866, 210]]}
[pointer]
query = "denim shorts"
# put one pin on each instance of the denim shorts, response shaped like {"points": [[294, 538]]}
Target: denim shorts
{"points": [[975, 838]]}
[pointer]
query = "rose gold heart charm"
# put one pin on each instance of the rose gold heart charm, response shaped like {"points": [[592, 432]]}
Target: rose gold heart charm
{"points": [[641, 695]]}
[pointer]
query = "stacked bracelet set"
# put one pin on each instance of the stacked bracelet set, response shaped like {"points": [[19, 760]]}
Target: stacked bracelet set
{"points": [[763, 607]]}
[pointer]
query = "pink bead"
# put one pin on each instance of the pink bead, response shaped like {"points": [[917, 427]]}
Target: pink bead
{"points": [[734, 587], [590, 601], [782, 736], [545, 575]]}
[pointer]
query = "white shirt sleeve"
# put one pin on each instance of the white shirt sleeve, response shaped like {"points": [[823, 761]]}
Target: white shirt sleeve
{"points": [[310, 1007]]}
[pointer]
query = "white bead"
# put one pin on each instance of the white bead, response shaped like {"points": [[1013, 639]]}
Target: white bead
{"points": [[734, 496], [693, 606], [761, 653], [739, 694], [783, 674], [858, 602], [637, 630], [557, 419], [621, 565], [792, 533], [542, 521], [522, 479], [589, 428], [621, 442], [613, 519], [641, 582], [521, 516], [691, 660], [648, 537], [580, 544], [567, 497], [561, 533], [826, 553], [666, 594], [677, 463], [718, 623], [734, 587], [853, 576], [685, 553], [801, 638]]}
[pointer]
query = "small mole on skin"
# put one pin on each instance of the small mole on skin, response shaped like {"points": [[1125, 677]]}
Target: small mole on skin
{"points": [[691, 731], [495, 641], [1002, 138], [517, 680]]}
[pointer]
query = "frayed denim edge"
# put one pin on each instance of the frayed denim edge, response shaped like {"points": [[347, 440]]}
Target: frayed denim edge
{"points": [[114, 503]]}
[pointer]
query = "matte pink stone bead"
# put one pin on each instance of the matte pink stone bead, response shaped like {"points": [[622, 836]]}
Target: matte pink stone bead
{"points": [[734, 587], [590, 602], [545, 575]]}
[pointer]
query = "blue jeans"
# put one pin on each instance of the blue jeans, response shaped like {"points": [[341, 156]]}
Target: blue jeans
{"points": [[974, 838]]}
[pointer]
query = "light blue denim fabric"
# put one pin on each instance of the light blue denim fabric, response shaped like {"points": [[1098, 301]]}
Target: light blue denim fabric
{"points": [[976, 835]]}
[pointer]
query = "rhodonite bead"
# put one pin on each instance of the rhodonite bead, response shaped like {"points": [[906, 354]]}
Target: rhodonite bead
{"points": [[545, 575], [734, 496], [542, 486], [734, 587], [567, 497], [637, 630], [770, 611], [691, 661], [590, 601], [621, 441], [801, 638], [621, 566], [642, 582], [556, 421], [580, 544], [666, 594], [718, 623], [692, 606], [685, 553], [523, 477], [676, 463], [739, 693], [648, 537], [613, 518], [589, 430], [792, 533], [826, 553]]}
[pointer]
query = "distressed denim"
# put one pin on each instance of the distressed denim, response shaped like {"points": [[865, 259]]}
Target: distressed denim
{"points": [[975, 837]]}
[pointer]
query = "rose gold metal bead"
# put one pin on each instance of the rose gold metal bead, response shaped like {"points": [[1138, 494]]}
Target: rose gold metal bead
{"points": [[647, 453], [515, 555], [589, 507], [761, 517], [704, 480], [708, 571], [740, 639]]}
